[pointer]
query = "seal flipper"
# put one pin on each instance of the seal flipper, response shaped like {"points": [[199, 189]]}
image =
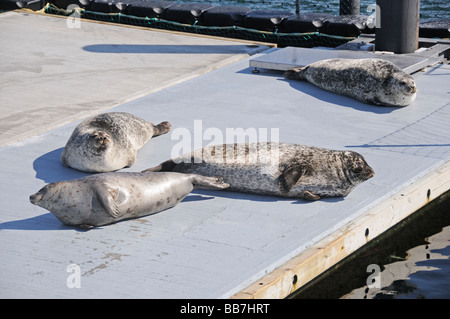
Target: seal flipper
{"points": [[85, 226], [289, 177], [166, 166], [161, 128], [107, 197], [296, 73], [307, 195], [200, 181]]}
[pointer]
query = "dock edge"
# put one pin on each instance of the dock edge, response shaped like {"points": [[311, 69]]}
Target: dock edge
{"points": [[318, 258]]}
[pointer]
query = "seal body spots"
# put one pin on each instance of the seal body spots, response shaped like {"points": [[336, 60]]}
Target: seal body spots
{"points": [[278, 169], [106, 198], [108, 141], [372, 81]]}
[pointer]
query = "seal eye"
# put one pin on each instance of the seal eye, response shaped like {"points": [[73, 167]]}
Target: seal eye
{"points": [[358, 170], [358, 166]]}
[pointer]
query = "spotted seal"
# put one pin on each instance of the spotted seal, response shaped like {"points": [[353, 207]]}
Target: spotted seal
{"points": [[109, 141], [106, 198], [277, 169], [372, 81]]}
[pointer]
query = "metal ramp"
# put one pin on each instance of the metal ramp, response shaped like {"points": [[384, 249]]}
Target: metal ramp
{"points": [[290, 57]]}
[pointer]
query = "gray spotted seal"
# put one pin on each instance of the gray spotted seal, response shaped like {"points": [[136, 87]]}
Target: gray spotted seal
{"points": [[278, 169], [372, 81], [106, 198], [108, 141]]}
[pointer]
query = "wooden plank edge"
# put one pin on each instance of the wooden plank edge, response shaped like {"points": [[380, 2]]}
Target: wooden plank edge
{"points": [[329, 251]]}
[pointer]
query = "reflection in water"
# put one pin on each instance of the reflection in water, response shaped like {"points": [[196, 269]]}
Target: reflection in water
{"points": [[413, 257]]}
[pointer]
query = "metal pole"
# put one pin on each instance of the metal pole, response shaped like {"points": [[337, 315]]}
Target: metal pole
{"points": [[398, 28], [347, 7], [297, 6]]}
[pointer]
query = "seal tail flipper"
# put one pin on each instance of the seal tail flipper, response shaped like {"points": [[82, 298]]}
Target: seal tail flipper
{"points": [[289, 177], [296, 73], [166, 166], [206, 182], [161, 128], [307, 195]]}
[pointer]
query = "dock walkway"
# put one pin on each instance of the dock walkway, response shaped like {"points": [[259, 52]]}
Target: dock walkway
{"points": [[213, 244]]}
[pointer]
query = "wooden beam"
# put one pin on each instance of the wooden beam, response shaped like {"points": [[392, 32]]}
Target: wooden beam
{"points": [[328, 252]]}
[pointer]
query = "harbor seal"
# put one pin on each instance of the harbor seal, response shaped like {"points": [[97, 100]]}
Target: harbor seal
{"points": [[106, 198], [372, 81], [277, 169], [109, 141]]}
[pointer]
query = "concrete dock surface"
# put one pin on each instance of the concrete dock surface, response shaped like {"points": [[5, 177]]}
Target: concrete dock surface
{"points": [[214, 244], [52, 73]]}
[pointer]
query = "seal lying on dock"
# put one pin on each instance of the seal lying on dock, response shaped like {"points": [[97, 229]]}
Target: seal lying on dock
{"points": [[109, 141], [106, 198], [372, 81], [278, 169]]}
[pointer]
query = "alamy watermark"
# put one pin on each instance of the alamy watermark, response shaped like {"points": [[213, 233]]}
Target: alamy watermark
{"points": [[74, 279], [230, 145], [73, 21], [374, 279], [374, 19]]}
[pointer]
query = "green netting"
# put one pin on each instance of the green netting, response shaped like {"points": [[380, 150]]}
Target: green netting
{"points": [[281, 39]]}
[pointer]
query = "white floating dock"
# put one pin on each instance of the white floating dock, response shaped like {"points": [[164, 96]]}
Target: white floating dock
{"points": [[213, 244]]}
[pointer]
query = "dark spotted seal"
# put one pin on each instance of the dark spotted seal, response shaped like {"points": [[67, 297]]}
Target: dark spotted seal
{"points": [[109, 141], [106, 198], [372, 81], [279, 169]]}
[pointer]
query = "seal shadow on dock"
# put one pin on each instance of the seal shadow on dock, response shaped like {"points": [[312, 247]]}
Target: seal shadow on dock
{"points": [[337, 99], [46, 221], [49, 168], [260, 198]]}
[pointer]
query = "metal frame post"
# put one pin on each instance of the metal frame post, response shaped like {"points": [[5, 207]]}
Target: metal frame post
{"points": [[398, 28]]}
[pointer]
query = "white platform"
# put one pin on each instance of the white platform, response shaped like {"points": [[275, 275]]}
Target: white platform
{"points": [[215, 244], [290, 57]]}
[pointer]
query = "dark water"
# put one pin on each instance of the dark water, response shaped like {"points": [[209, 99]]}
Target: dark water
{"points": [[413, 259], [430, 9]]}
